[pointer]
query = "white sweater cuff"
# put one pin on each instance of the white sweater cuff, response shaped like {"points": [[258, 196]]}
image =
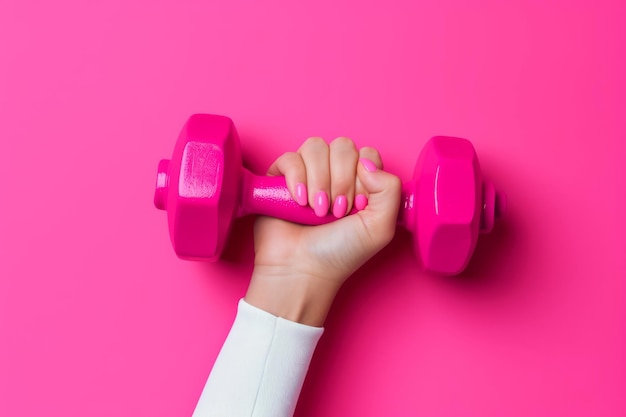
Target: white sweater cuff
{"points": [[261, 367]]}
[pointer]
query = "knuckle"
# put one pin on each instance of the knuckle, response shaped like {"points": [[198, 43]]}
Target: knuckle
{"points": [[291, 157], [290, 154], [396, 183], [343, 142], [369, 151], [373, 155], [314, 142], [343, 148], [288, 160]]}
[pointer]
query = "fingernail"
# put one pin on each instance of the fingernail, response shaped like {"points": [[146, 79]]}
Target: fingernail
{"points": [[321, 205], [301, 196], [360, 202], [340, 207], [369, 165]]}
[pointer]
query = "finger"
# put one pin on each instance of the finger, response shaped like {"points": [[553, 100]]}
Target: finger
{"points": [[343, 159], [314, 152], [383, 190], [361, 198], [291, 165]]}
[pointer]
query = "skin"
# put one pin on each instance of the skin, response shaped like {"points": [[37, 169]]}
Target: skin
{"points": [[298, 270]]}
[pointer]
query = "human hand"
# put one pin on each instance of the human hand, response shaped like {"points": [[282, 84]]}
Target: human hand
{"points": [[299, 269]]}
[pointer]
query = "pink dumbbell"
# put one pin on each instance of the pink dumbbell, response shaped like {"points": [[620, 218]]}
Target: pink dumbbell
{"points": [[204, 187]]}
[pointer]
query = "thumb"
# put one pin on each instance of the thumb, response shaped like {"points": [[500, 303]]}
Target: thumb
{"points": [[383, 190]]}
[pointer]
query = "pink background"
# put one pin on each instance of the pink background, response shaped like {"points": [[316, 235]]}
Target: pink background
{"points": [[99, 318]]}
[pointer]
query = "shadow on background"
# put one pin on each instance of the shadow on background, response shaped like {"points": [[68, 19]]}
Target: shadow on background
{"points": [[491, 256], [240, 244]]}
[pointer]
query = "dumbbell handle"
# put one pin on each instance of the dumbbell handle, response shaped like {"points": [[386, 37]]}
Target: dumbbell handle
{"points": [[269, 196]]}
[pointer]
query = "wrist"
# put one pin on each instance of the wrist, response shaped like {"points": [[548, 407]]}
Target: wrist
{"points": [[293, 296]]}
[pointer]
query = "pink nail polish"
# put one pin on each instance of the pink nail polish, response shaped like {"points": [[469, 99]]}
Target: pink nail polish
{"points": [[301, 195], [340, 207], [321, 204], [369, 165], [360, 202]]}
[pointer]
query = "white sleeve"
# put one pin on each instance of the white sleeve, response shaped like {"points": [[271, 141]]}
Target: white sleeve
{"points": [[261, 367]]}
